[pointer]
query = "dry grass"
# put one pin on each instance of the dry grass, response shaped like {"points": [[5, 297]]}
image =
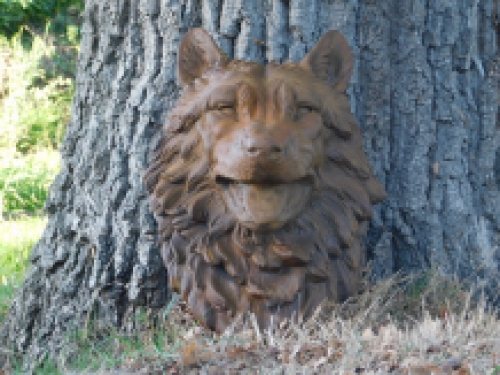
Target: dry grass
{"points": [[418, 325]]}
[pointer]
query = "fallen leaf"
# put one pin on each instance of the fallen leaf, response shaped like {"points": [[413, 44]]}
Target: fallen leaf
{"points": [[189, 355], [444, 312], [235, 352], [424, 370], [335, 356], [285, 356], [389, 355]]}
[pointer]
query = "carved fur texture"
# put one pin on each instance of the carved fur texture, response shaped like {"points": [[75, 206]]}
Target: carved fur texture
{"points": [[260, 186]]}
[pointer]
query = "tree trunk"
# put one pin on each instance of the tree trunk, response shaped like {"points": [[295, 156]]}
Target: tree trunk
{"points": [[425, 91]]}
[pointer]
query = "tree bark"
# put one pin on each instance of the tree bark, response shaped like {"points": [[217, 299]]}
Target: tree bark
{"points": [[425, 91]]}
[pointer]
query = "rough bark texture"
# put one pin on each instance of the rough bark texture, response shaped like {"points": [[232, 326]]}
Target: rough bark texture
{"points": [[425, 91]]}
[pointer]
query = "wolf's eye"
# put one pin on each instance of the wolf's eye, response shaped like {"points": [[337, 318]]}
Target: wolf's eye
{"points": [[223, 108], [305, 109]]}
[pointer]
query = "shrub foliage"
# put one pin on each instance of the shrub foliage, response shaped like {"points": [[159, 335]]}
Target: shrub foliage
{"points": [[17, 13]]}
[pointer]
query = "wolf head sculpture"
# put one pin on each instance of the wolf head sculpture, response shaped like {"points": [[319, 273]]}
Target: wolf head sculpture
{"points": [[260, 186]]}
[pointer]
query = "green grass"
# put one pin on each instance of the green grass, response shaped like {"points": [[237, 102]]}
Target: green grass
{"points": [[17, 237], [25, 180], [157, 342]]}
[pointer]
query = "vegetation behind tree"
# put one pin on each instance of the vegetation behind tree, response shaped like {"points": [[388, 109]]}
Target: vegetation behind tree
{"points": [[17, 14], [38, 50]]}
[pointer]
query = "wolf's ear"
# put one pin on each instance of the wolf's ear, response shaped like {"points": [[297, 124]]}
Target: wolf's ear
{"points": [[331, 60], [198, 52]]}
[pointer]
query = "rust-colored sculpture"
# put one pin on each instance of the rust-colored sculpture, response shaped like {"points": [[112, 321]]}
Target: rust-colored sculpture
{"points": [[260, 185]]}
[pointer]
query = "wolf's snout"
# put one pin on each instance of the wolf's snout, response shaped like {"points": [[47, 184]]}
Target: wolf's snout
{"points": [[264, 147]]}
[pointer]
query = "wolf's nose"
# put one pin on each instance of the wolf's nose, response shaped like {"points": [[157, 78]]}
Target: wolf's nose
{"points": [[263, 147]]}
